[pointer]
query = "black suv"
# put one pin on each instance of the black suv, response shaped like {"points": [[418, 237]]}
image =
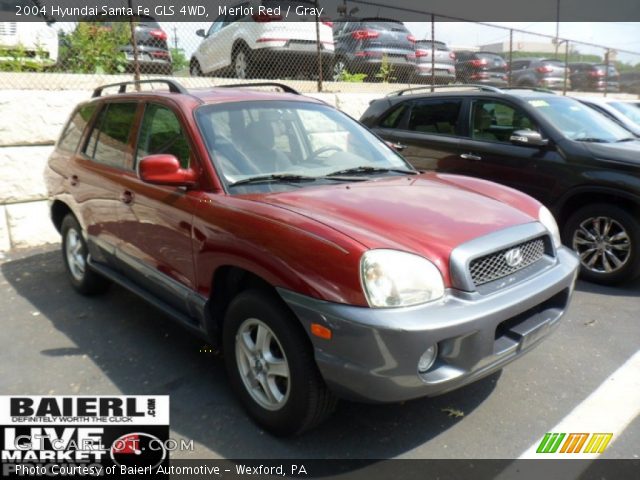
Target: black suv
{"points": [[582, 165], [364, 45], [481, 67], [539, 72], [594, 77]]}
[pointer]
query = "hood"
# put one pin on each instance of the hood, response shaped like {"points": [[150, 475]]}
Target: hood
{"points": [[424, 214], [627, 152]]}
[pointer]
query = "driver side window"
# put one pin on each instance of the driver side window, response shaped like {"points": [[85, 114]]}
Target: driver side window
{"points": [[161, 133], [495, 121]]}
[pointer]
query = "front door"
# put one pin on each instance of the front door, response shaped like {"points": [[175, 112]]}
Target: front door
{"points": [[156, 232]]}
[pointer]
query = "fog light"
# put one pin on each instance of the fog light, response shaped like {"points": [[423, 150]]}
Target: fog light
{"points": [[427, 358]]}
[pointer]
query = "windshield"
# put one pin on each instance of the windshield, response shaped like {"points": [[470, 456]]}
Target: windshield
{"points": [[254, 140], [577, 121], [628, 110]]}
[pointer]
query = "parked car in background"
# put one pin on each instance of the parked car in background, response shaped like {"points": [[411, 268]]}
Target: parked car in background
{"points": [[320, 261], [624, 114], [576, 161], [539, 72], [481, 68], [154, 56], [262, 45], [630, 82], [590, 77], [32, 43], [364, 45], [444, 62]]}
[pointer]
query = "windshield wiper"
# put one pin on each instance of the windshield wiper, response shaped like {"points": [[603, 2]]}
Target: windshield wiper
{"points": [[591, 140], [275, 177], [367, 169], [627, 139]]}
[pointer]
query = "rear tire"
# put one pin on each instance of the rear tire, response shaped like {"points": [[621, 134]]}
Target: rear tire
{"points": [[607, 239], [242, 64], [75, 254], [271, 367], [194, 68]]}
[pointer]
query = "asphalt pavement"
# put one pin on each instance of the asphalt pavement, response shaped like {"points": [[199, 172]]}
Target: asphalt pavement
{"points": [[55, 341]]}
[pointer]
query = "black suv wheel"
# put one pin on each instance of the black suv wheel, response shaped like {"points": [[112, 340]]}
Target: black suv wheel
{"points": [[606, 238]]}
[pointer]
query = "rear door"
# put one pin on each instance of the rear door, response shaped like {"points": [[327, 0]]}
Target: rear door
{"points": [[428, 130], [96, 177]]}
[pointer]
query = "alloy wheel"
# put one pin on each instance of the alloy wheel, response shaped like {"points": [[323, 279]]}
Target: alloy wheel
{"points": [[75, 254], [603, 244], [262, 364], [241, 65]]}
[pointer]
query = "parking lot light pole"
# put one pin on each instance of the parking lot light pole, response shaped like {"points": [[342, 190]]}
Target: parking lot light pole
{"points": [[134, 43], [433, 52], [318, 48], [510, 53], [566, 67]]}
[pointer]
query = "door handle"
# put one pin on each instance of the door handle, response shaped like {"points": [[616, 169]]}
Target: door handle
{"points": [[73, 181], [397, 146], [127, 197], [470, 156]]}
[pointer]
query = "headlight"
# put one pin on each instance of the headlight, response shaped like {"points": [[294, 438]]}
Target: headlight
{"points": [[391, 278], [546, 219]]}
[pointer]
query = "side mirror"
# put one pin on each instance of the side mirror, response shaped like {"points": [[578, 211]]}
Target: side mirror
{"points": [[165, 169], [529, 138], [200, 33]]}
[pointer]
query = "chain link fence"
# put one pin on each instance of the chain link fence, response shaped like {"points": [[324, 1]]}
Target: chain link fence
{"points": [[339, 53]]}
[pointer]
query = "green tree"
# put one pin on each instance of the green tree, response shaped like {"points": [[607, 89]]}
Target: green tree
{"points": [[95, 48]]}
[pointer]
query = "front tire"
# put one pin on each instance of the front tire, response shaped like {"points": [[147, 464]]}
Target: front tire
{"points": [[607, 239], [271, 367], [75, 255], [194, 68]]}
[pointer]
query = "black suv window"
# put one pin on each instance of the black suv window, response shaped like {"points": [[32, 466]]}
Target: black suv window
{"points": [[109, 140], [161, 133], [72, 134], [495, 121], [439, 116], [393, 119]]}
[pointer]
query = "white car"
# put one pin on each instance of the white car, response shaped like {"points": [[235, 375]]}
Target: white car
{"points": [[624, 114], [246, 44], [30, 42]]}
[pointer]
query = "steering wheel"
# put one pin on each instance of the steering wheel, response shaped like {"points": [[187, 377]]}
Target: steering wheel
{"points": [[324, 149]]}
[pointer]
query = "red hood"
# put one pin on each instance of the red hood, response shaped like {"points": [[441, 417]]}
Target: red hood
{"points": [[426, 214]]}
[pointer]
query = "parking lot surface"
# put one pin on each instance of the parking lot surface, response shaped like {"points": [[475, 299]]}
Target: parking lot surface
{"points": [[55, 341]]}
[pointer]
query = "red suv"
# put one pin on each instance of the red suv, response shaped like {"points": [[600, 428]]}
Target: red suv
{"points": [[319, 260]]}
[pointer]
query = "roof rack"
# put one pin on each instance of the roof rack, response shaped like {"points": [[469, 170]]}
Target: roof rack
{"points": [[484, 88], [533, 89], [282, 86], [174, 87]]}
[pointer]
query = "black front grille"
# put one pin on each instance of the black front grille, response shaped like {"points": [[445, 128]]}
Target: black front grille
{"points": [[495, 265]]}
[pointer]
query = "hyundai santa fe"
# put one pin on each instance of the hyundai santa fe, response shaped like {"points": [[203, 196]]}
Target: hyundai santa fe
{"points": [[313, 254]]}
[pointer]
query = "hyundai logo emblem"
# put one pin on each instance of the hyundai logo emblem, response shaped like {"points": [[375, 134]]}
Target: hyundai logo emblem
{"points": [[513, 257]]}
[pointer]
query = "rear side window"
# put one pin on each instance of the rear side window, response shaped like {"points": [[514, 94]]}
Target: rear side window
{"points": [[71, 136], [435, 116], [109, 140], [161, 132], [393, 119]]}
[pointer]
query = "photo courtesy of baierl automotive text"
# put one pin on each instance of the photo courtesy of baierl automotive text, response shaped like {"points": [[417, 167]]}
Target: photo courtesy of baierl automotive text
{"points": [[320, 238]]}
